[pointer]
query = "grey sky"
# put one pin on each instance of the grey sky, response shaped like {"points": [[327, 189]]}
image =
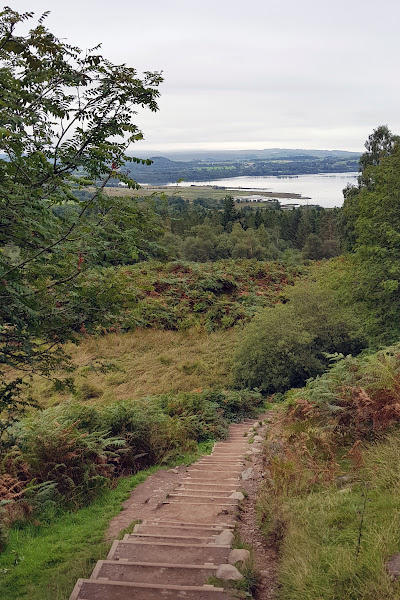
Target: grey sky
{"points": [[293, 74]]}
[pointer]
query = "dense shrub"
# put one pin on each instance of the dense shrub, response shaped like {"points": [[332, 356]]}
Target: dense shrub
{"points": [[65, 455], [285, 345], [174, 296], [358, 398]]}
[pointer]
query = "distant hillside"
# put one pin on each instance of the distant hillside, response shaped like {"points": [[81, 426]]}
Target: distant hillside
{"points": [[274, 162], [267, 153]]}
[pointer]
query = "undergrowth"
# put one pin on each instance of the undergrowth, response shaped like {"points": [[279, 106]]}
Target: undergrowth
{"points": [[64, 456], [46, 556], [330, 500], [179, 295]]}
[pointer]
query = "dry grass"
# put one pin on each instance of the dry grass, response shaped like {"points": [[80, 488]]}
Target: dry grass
{"points": [[143, 363], [193, 192]]}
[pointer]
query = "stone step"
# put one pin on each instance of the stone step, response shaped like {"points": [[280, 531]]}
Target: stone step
{"points": [[180, 554], [218, 470], [170, 539], [92, 589], [214, 460], [162, 529], [193, 499], [188, 491], [211, 477], [204, 485], [225, 451], [153, 572], [200, 514], [189, 501], [178, 523]]}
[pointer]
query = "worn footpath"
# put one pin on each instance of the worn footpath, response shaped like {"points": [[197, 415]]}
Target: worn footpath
{"points": [[185, 539]]}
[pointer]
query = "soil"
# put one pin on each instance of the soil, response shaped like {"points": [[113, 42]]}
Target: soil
{"points": [[265, 554], [145, 499]]}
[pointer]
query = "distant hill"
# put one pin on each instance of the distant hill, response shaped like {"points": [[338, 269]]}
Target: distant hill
{"points": [[223, 155], [250, 163]]}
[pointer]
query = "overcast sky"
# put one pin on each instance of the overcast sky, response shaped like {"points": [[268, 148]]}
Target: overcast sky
{"points": [[249, 74]]}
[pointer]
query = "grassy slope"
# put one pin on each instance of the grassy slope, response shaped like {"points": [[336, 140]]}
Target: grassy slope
{"points": [[319, 552], [146, 362], [51, 557], [331, 495]]}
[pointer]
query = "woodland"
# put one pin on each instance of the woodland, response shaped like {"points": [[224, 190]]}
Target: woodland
{"points": [[134, 330]]}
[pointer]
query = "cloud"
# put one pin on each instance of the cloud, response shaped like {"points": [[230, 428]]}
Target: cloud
{"points": [[292, 73]]}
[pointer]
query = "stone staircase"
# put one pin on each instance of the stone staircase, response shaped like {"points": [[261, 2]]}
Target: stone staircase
{"points": [[174, 554]]}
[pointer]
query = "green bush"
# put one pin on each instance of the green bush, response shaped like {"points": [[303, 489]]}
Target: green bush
{"points": [[285, 345]]}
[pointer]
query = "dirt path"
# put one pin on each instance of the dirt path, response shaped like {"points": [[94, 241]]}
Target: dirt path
{"points": [[265, 554], [187, 518], [145, 498]]}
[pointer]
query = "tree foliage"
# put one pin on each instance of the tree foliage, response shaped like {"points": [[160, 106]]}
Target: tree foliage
{"points": [[285, 345], [372, 210], [66, 120]]}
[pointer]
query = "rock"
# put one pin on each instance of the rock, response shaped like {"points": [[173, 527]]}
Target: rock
{"points": [[258, 438], [237, 496], [276, 448], [238, 555], [228, 573], [225, 538], [343, 480], [248, 452], [247, 474], [256, 450], [393, 566], [176, 470]]}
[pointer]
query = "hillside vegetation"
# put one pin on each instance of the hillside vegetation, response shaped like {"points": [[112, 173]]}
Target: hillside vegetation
{"points": [[134, 331]]}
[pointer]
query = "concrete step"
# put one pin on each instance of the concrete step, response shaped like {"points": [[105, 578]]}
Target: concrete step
{"points": [[153, 572], [193, 499], [179, 554], [161, 529], [188, 491], [170, 539], [92, 589]]}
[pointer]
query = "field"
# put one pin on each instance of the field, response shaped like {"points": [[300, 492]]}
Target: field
{"points": [[144, 363], [193, 192]]}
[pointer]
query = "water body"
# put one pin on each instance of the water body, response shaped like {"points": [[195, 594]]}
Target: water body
{"points": [[324, 189]]}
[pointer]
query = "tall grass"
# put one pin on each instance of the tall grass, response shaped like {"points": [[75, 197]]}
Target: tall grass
{"points": [[331, 496], [144, 363], [319, 551], [44, 558]]}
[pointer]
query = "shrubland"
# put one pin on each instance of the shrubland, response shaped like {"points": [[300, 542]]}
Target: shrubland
{"points": [[63, 456], [285, 345], [177, 295], [330, 500]]}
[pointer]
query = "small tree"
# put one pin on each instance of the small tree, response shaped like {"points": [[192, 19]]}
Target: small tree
{"points": [[66, 120], [229, 213], [285, 345]]}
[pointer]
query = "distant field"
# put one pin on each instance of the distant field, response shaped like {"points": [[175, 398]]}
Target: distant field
{"points": [[193, 192]]}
